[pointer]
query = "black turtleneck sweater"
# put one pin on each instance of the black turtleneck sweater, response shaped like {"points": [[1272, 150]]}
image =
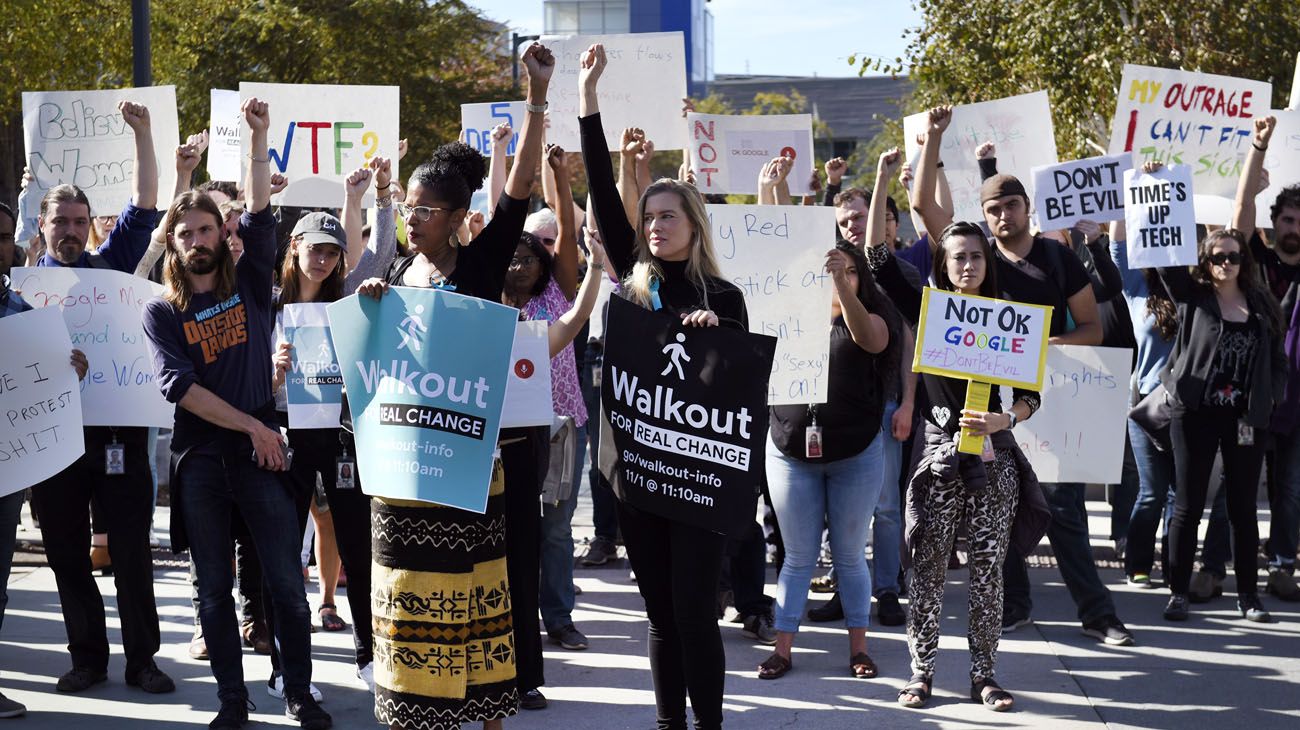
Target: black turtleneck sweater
{"points": [[678, 293]]}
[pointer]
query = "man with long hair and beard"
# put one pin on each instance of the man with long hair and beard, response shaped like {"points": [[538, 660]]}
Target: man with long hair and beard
{"points": [[210, 335], [1279, 267]]}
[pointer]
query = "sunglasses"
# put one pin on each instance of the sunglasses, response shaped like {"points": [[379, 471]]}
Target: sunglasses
{"points": [[519, 262], [422, 212], [1220, 258]]}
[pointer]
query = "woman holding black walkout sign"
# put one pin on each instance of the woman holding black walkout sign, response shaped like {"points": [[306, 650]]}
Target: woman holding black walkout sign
{"points": [[669, 264], [950, 490]]}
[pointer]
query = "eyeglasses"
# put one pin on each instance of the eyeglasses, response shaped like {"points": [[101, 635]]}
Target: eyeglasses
{"points": [[519, 262], [422, 212], [1220, 258]]}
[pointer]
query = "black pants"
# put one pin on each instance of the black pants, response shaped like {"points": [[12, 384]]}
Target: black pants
{"points": [[677, 570], [301, 481], [523, 559], [745, 571], [1197, 436], [350, 510], [62, 504], [248, 574]]}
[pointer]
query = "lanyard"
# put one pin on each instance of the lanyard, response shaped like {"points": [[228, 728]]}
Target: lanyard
{"points": [[655, 303]]}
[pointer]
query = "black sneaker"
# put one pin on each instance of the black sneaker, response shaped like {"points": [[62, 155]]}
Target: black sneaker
{"points": [[1014, 619], [151, 679], [233, 714], [759, 628], [889, 611], [569, 637], [600, 551], [831, 610], [80, 679], [1110, 630], [533, 699], [1252, 610], [1176, 608], [303, 708]]}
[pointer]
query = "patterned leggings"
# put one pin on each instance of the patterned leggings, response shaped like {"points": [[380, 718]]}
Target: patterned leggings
{"points": [[987, 516]]}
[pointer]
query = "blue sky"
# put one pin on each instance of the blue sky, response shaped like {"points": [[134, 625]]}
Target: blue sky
{"points": [[787, 37]]}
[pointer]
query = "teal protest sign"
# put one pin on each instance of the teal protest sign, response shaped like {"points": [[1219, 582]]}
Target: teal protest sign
{"points": [[425, 372], [314, 385]]}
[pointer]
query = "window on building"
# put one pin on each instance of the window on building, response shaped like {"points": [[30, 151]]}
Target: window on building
{"points": [[587, 17]]}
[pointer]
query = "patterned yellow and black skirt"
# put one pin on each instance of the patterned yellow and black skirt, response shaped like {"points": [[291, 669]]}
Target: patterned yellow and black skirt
{"points": [[444, 642]]}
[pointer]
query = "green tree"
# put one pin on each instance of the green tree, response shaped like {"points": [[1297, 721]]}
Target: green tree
{"points": [[974, 50]]}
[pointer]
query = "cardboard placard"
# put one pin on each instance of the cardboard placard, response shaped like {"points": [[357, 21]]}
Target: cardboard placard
{"points": [[528, 389], [982, 339], [729, 150], [314, 383], [1091, 189], [225, 156], [1160, 218], [478, 120]]}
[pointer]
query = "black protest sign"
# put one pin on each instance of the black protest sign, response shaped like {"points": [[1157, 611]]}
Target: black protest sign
{"points": [[683, 416]]}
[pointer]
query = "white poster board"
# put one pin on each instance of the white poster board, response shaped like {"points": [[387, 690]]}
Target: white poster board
{"points": [[1197, 119], [1295, 86], [981, 339], [642, 86], [314, 383], [40, 403], [776, 255], [80, 138], [1160, 217], [729, 150], [1020, 127], [528, 389], [1282, 161], [102, 312], [224, 119], [1078, 434], [478, 120], [1090, 189], [321, 133]]}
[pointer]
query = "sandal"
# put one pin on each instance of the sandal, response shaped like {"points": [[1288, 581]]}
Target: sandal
{"points": [[774, 667], [331, 621], [916, 692], [992, 699], [862, 666]]}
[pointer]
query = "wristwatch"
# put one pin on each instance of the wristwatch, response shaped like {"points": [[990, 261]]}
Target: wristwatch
{"points": [[537, 108], [1014, 420]]}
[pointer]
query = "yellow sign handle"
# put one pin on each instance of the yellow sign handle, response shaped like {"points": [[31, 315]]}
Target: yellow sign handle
{"points": [[977, 399]]}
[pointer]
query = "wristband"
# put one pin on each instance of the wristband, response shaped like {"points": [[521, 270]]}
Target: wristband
{"points": [[537, 108], [385, 187], [940, 164], [257, 159], [1256, 146]]}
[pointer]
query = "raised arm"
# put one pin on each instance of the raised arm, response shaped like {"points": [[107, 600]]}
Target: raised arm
{"points": [[629, 190], [643, 159], [375, 257], [566, 238], [605, 208], [501, 136], [1107, 283], [924, 201], [568, 325], [889, 163], [1243, 212], [187, 160], [541, 64], [354, 190], [145, 189], [781, 190], [867, 329], [257, 193]]}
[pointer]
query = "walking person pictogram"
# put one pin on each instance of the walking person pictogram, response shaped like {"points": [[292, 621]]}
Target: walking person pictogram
{"points": [[676, 353], [411, 328]]}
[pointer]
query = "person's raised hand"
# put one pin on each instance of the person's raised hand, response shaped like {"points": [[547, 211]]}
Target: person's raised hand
{"points": [[940, 117], [646, 153], [688, 106], [476, 223], [837, 265], [358, 182], [382, 167], [278, 182], [1264, 127], [189, 154], [835, 169], [595, 249], [1091, 230], [700, 318], [501, 135], [685, 173], [135, 115], [905, 175], [633, 140], [815, 182], [257, 114], [782, 166], [402, 147], [986, 150], [890, 160], [540, 63], [557, 158], [592, 65], [80, 363], [1151, 167]]}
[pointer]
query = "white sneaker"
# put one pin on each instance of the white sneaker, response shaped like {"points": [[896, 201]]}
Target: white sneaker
{"points": [[367, 674], [275, 688]]}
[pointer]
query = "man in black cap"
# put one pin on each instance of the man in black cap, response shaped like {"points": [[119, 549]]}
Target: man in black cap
{"points": [[1037, 270]]}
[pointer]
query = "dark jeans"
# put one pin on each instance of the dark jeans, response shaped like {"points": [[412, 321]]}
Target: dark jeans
{"points": [[301, 481], [248, 574], [603, 502], [677, 573], [1124, 494], [211, 483], [1284, 501], [745, 571], [62, 504], [11, 510], [350, 509], [1068, 535], [1197, 436], [523, 559]]}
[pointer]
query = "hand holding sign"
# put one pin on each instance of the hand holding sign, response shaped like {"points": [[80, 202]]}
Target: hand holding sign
{"points": [[80, 363]]}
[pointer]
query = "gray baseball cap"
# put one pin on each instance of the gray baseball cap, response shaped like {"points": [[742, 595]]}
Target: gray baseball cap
{"points": [[320, 228]]}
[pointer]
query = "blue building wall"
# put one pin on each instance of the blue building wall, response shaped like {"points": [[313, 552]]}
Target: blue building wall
{"points": [[657, 16]]}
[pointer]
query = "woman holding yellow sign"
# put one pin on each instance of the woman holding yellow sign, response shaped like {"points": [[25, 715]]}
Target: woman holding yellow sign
{"points": [[951, 489]]}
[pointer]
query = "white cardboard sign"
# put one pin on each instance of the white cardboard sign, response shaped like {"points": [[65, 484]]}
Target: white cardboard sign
{"points": [[1019, 126], [102, 313], [224, 118], [643, 86], [478, 120], [729, 150], [1160, 217], [321, 133], [981, 339], [1090, 189], [776, 254], [80, 138], [528, 388], [40, 403]]}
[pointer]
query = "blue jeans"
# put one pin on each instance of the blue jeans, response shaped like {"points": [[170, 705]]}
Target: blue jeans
{"points": [[1284, 523], [1124, 494], [808, 495], [887, 530], [11, 509], [1068, 535], [556, 595], [212, 484], [603, 503], [1155, 491]]}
